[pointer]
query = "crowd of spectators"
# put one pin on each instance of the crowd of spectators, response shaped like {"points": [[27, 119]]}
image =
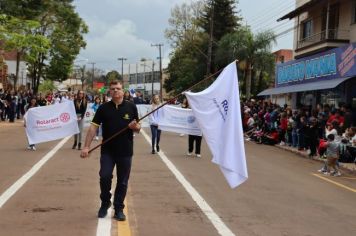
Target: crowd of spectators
{"points": [[305, 129]]}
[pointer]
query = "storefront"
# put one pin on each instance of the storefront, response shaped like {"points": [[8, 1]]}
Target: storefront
{"points": [[325, 78]]}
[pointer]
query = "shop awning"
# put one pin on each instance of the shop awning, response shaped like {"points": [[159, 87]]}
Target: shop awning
{"points": [[319, 85]]}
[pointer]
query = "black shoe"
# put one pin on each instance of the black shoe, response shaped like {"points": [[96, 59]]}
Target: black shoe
{"points": [[157, 148], [79, 146], [74, 145], [153, 152], [103, 210], [119, 215]]}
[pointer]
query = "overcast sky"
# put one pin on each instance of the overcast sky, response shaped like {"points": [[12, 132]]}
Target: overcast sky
{"points": [[127, 28]]}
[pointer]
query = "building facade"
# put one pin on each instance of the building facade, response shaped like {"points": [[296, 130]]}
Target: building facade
{"points": [[323, 70], [8, 70], [147, 83]]}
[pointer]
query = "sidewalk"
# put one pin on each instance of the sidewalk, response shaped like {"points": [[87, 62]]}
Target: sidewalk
{"points": [[347, 166]]}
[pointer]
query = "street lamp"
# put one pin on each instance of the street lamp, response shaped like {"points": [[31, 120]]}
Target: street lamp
{"points": [[159, 46], [122, 59]]}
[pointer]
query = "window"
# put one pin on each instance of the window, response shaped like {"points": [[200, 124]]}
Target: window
{"points": [[307, 29], [281, 59]]}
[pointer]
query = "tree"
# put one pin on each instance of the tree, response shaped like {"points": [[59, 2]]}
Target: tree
{"points": [[64, 29], [66, 40], [186, 66], [46, 86], [24, 10], [219, 18], [247, 48], [183, 22], [189, 34], [111, 76], [223, 15], [21, 36]]}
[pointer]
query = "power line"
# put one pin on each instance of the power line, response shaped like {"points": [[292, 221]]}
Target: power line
{"points": [[268, 10], [270, 13], [267, 19], [276, 27]]}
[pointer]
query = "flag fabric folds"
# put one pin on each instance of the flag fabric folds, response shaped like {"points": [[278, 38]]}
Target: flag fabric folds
{"points": [[52, 122], [217, 110]]}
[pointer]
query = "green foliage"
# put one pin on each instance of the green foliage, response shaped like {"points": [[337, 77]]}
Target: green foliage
{"points": [[23, 37], [46, 86], [224, 15], [189, 35], [112, 75], [182, 23], [66, 41], [60, 31], [187, 65], [253, 52], [27, 10]]}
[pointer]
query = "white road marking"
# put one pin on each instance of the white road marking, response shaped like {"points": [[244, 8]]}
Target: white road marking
{"points": [[104, 225], [19, 183], [204, 206]]}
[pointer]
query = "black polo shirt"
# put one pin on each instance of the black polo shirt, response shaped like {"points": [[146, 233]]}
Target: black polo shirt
{"points": [[113, 119]]}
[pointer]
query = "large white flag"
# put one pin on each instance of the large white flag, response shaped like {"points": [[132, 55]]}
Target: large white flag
{"points": [[179, 120], [217, 110], [52, 122]]}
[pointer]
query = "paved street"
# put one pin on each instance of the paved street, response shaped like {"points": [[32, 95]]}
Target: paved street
{"points": [[284, 194]]}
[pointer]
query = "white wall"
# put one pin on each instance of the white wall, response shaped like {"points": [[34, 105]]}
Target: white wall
{"points": [[22, 71]]}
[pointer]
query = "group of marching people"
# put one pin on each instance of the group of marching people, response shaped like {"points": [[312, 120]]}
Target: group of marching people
{"points": [[14, 105]]}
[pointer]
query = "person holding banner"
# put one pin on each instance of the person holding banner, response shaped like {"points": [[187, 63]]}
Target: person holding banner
{"points": [[197, 139], [115, 116], [80, 104], [153, 120], [95, 107], [32, 104], [192, 138]]}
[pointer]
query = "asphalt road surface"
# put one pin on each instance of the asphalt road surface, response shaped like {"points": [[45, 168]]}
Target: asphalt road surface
{"points": [[57, 192]]}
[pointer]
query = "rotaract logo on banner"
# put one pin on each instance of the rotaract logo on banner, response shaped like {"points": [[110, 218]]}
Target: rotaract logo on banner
{"points": [[64, 117], [191, 119]]}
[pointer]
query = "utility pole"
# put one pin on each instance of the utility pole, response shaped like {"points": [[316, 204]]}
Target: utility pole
{"points": [[122, 59], [210, 48], [136, 76], [129, 76], [92, 78], [153, 73], [159, 45]]}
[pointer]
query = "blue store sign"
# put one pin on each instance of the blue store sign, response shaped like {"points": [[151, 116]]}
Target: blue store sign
{"points": [[332, 64]]}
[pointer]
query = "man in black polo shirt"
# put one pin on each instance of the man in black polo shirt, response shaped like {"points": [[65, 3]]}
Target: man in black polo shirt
{"points": [[114, 116]]}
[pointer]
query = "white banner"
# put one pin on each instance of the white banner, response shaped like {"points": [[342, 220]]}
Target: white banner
{"points": [[142, 111], [52, 122], [89, 115], [178, 120], [217, 110]]}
